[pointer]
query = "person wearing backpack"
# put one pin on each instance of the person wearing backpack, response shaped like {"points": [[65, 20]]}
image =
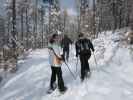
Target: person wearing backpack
{"points": [[65, 44], [83, 49], [55, 60]]}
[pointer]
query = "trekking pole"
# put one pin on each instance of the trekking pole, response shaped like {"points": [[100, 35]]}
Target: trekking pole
{"points": [[95, 60], [70, 70], [77, 65]]}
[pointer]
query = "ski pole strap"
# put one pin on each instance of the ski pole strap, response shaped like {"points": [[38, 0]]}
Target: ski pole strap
{"points": [[70, 71]]}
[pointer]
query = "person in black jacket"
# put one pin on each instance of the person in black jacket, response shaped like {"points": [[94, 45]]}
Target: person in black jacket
{"points": [[83, 49], [65, 44]]}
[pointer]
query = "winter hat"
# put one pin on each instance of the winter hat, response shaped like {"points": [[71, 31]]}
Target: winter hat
{"points": [[52, 38]]}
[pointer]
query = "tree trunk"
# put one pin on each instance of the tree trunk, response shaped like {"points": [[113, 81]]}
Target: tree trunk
{"points": [[14, 23], [27, 29], [22, 25], [42, 25], [94, 11]]}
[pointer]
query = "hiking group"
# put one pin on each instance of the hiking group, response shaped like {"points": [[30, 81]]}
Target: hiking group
{"points": [[56, 45]]}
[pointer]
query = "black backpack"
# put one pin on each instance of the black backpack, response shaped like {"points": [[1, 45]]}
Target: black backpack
{"points": [[84, 46]]}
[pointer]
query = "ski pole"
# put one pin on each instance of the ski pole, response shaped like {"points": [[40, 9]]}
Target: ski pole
{"points": [[77, 65], [95, 60], [70, 70]]}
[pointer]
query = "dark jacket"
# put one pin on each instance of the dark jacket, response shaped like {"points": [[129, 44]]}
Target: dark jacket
{"points": [[66, 42], [83, 46]]}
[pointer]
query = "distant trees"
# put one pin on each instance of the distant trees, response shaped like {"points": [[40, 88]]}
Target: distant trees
{"points": [[30, 22], [24, 22], [114, 14], [101, 15], [87, 16]]}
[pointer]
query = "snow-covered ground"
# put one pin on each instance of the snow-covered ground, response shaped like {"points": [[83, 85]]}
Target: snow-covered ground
{"points": [[111, 79]]}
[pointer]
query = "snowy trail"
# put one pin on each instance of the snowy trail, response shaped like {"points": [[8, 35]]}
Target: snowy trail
{"points": [[30, 81], [112, 79]]}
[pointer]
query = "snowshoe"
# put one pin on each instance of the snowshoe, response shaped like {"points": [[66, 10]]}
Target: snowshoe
{"points": [[82, 80], [88, 75], [62, 91], [50, 90]]}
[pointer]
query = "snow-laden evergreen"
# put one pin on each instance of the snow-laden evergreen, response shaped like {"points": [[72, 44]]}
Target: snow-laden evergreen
{"points": [[111, 79]]}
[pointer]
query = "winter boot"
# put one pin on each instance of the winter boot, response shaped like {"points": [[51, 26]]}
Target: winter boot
{"points": [[63, 90], [51, 89]]}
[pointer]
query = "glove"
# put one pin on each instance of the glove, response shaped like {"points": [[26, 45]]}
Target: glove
{"points": [[62, 56]]}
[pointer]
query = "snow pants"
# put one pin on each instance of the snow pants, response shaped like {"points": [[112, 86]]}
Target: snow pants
{"points": [[84, 65], [57, 72]]}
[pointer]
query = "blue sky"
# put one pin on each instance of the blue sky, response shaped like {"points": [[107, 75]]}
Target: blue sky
{"points": [[70, 5]]}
